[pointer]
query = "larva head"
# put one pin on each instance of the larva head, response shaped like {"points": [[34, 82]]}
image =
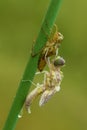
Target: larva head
{"points": [[60, 37]]}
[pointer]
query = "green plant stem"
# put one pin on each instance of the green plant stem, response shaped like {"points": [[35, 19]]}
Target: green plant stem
{"points": [[31, 67]]}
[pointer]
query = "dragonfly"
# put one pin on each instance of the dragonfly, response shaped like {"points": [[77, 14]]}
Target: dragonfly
{"points": [[51, 83]]}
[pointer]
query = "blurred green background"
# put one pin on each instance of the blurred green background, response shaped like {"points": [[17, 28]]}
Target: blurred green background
{"points": [[19, 25]]}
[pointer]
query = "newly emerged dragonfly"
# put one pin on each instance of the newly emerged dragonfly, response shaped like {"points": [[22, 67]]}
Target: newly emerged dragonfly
{"points": [[51, 47], [51, 84]]}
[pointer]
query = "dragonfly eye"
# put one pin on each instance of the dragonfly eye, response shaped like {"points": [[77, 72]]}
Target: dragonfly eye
{"points": [[59, 61]]}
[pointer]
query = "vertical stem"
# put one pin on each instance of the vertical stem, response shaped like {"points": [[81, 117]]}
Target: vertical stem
{"points": [[31, 67]]}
